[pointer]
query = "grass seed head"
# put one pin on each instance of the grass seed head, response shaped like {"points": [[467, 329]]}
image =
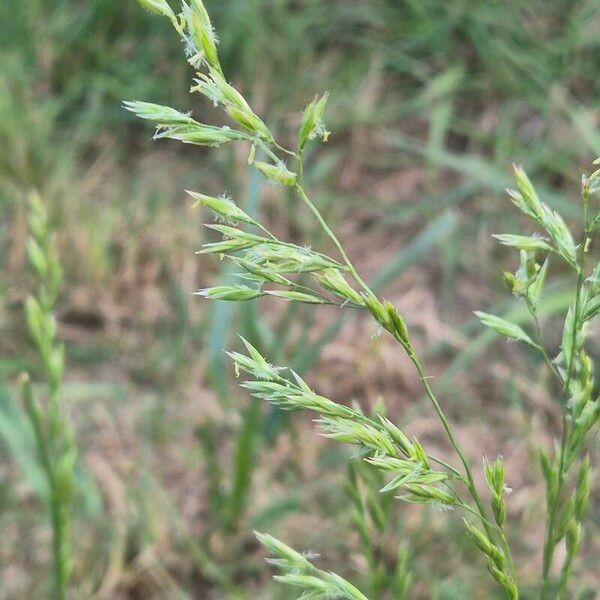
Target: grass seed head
{"points": [[202, 32], [224, 207], [160, 7], [312, 125], [278, 173], [239, 293]]}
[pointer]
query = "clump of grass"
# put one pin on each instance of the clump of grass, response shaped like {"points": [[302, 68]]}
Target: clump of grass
{"points": [[50, 422], [273, 267]]}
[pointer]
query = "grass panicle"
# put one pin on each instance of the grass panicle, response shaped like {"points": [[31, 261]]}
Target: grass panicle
{"points": [[407, 467]]}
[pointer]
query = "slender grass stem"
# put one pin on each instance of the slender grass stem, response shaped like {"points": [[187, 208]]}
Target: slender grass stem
{"points": [[455, 445], [58, 516], [540, 342], [333, 238]]}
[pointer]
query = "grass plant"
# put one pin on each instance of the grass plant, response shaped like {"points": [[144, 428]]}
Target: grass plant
{"points": [[276, 268], [50, 422], [448, 93]]}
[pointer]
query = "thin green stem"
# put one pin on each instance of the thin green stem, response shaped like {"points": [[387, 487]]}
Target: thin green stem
{"points": [[475, 513], [300, 168], [504, 541], [450, 468], [60, 543], [540, 342], [454, 442], [564, 580], [285, 150], [265, 230], [549, 363], [58, 513], [272, 154], [333, 238]]}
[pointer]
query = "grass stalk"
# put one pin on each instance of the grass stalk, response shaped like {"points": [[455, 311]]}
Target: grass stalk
{"points": [[549, 541], [51, 425], [271, 265]]}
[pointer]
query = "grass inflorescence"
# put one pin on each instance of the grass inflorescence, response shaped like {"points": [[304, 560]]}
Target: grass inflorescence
{"points": [[448, 94], [50, 422], [269, 266]]}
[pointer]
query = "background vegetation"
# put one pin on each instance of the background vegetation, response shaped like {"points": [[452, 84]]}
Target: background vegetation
{"points": [[429, 104]]}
